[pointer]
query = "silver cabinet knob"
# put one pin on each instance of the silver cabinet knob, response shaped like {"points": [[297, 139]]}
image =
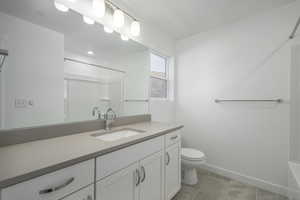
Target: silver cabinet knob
{"points": [[56, 188], [167, 158], [144, 174]]}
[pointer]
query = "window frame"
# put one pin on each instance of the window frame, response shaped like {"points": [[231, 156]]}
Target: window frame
{"points": [[166, 78]]}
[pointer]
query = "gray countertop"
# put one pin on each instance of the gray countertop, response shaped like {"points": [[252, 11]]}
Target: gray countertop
{"points": [[22, 162]]}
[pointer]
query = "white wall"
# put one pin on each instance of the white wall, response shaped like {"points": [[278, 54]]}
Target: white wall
{"points": [[137, 79], [162, 110], [2, 89], [40, 52], [137, 67], [295, 105], [33, 71], [246, 140]]}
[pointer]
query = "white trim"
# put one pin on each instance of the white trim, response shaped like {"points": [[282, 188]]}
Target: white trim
{"points": [[167, 78], [265, 185], [159, 99]]}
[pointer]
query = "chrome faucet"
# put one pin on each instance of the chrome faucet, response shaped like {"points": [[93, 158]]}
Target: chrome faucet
{"points": [[109, 118], [96, 111]]}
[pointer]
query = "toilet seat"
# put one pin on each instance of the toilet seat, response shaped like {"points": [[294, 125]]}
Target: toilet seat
{"points": [[192, 154]]}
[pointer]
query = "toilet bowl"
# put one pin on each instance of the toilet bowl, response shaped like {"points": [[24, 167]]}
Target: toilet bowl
{"points": [[191, 159]]}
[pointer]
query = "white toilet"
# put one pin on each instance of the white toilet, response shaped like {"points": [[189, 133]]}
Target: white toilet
{"points": [[191, 159]]}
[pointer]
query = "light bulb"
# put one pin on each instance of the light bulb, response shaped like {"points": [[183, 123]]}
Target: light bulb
{"points": [[99, 8], [124, 37], [88, 20], [90, 52], [135, 28], [118, 18], [61, 7], [108, 30]]}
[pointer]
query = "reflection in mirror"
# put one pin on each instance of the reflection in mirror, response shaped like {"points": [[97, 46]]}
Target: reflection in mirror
{"points": [[90, 90], [61, 70]]}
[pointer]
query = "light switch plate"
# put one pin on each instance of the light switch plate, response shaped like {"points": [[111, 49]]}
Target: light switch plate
{"points": [[20, 103]]}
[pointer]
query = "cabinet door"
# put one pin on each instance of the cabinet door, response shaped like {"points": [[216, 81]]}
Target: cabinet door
{"points": [[120, 185], [151, 184], [173, 170], [83, 194]]}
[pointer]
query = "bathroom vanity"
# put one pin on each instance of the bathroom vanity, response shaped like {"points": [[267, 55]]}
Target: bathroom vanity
{"points": [[56, 103], [144, 166]]}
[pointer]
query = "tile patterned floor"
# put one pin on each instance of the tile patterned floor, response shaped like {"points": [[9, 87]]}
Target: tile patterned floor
{"points": [[214, 187]]}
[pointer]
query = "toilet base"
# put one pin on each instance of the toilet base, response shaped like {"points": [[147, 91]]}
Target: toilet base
{"points": [[189, 176]]}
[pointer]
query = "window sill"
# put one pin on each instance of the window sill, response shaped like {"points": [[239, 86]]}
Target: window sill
{"points": [[160, 99]]}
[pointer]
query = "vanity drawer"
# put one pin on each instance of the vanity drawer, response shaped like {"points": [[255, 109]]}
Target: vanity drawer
{"points": [[54, 185], [112, 162], [172, 138], [84, 194]]}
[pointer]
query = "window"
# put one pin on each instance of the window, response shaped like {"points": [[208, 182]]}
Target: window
{"points": [[159, 76]]}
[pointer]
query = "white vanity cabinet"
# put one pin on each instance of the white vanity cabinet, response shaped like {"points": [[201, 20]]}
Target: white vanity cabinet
{"points": [[133, 173], [53, 186], [120, 185], [145, 171], [83, 194], [152, 183], [142, 180], [149, 170], [172, 164]]}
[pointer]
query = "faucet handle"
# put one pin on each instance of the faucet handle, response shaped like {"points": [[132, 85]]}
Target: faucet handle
{"points": [[110, 114]]}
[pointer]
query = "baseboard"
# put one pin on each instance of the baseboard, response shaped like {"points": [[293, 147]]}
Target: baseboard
{"points": [[265, 185]]}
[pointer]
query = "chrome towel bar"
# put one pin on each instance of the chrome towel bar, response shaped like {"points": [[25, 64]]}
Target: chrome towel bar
{"points": [[249, 100], [136, 100]]}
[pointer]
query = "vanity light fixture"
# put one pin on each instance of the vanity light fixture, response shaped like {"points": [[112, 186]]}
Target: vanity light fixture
{"points": [[99, 7], [61, 7], [90, 53], [98, 10], [135, 28], [124, 37], [88, 20], [118, 18], [108, 30]]}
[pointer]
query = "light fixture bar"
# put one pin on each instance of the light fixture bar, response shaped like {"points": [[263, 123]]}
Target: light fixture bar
{"points": [[114, 6], [295, 29], [118, 16]]}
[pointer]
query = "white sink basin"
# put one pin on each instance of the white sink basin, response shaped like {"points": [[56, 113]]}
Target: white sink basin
{"points": [[117, 134]]}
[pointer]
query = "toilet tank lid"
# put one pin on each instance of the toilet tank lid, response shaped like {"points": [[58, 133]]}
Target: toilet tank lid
{"points": [[193, 154]]}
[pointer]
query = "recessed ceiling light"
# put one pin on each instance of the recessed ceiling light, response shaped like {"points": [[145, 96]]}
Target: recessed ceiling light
{"points": [[61, 7], [108, 30], [88, 20], [90, 52], [124, 37]]}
